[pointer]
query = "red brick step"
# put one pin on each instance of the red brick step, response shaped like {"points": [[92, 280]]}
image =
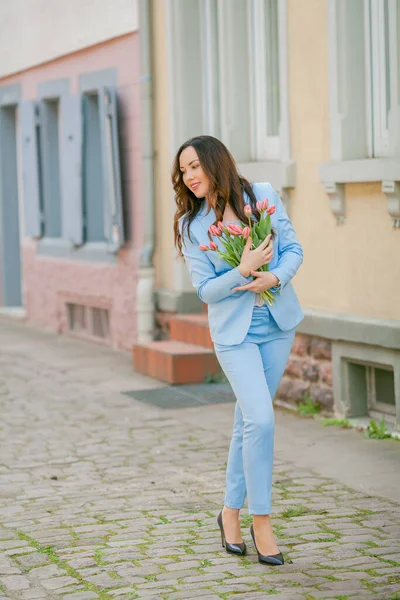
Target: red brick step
{"points": [[174, 362], [192, 329]]}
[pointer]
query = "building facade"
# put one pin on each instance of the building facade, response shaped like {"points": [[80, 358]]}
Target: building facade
{"points": [[71, 168], [307, 96]]}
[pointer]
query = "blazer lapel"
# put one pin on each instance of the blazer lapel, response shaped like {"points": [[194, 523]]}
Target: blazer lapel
{"points": [[206, 219]]}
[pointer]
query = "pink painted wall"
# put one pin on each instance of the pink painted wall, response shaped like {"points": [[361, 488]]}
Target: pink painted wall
{"points": [[50, 282]]}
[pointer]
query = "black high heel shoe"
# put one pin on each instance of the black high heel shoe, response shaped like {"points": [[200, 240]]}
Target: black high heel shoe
{"points": [[239, 549], [265, 559]]}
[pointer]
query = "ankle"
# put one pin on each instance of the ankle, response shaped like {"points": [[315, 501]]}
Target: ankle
{"points": [[261, 518], [261, 521], [230, 512]]}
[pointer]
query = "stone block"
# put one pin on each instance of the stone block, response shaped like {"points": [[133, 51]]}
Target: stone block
{"points": [[325, 372], [295, 366], [285, 388], [322, 394], [299, 388], [15, 583], [310, 370], [301, 345], [321, 348]]}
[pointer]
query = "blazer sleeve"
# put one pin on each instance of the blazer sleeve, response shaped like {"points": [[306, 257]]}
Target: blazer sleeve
{"points": [[210, 287], [290, 251]]}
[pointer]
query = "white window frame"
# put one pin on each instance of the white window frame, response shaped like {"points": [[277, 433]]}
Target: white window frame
{"points": [[203, 104], [377, 71], [264, 146], [360, 150], [210, 68], [216, 114]]}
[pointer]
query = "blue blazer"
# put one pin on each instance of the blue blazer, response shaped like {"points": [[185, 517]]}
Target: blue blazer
{"points": [[230, 313]]}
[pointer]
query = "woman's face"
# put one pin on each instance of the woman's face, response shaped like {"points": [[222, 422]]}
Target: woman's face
{"points": [[192, 173]]}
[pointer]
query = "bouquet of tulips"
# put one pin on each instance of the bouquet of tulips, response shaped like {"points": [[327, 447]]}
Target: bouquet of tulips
{"points": [[233, 238]]}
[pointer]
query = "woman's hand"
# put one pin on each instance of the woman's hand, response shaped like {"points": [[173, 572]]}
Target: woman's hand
{"points": [[254, 259], [263, 281]]}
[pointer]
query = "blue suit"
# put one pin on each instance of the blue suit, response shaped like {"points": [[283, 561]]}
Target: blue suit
{"points": [[252, 345], [230, 314]]}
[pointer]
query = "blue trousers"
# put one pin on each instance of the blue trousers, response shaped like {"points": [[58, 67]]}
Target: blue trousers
{"points": [[254, 369]]}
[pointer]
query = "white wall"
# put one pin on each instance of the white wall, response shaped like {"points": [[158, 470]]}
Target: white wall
{"points": [[36, 31]]}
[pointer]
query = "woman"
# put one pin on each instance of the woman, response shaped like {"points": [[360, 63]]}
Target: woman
{"points": [[252, 340]]}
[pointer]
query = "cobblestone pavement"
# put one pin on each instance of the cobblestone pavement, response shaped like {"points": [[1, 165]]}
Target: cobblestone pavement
{"points": [[103, 497]]}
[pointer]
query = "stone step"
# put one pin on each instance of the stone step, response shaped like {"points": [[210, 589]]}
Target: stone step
{"points": [[174, 362], [192, 329]]}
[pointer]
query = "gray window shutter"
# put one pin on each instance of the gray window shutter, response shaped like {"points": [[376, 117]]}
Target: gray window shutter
{"points": [[113, 210], [71, 169], [33, 215]]}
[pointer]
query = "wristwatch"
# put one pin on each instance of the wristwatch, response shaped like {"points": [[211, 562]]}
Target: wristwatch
{"points": [[278, 285]]}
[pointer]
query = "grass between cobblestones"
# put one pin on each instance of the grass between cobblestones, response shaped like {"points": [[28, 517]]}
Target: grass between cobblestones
{"points": [[119, 501], [318, 525], [289, 519], [55, 559]]}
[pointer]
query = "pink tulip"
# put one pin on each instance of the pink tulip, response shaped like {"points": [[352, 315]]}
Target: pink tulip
{"points": [[213, 246], [259, 206], [221, 226], [247, 210], [214, 230], [204, 247], [264, 204], [246, 232], [234, 229], [271, 210]]}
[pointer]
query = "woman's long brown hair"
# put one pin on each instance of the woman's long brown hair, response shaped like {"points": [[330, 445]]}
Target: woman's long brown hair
{"points": [[226, 185]]}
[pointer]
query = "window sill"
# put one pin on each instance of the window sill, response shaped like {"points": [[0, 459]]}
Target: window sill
{"points": [[334, 175], [360, 171], [279, 174], [60, 248]]}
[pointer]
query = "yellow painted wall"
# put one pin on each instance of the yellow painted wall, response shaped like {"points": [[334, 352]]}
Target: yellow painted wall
{"points": [[164, 254], [352, 268]]}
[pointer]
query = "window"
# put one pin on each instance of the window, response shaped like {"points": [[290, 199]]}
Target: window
{"points": [[86, 320], [366, 376], [10, 218], [49, 159], [241, 73], [93, 183], [382, 38], [381, 390], [364, 78], [102, 192], [364, 71], [71, 168], [264, 37], [371, 389]]}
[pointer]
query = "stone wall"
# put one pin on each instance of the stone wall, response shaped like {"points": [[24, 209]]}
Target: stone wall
{"points": [[308, 372]]}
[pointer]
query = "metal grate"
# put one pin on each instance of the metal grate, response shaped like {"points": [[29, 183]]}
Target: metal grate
{"points": [[88, 320], [76, 317], [100, 322], [185, 396]]}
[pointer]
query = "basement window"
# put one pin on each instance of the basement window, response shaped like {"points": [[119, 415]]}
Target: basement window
{"points": [[88, 321], [371, 389]]}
